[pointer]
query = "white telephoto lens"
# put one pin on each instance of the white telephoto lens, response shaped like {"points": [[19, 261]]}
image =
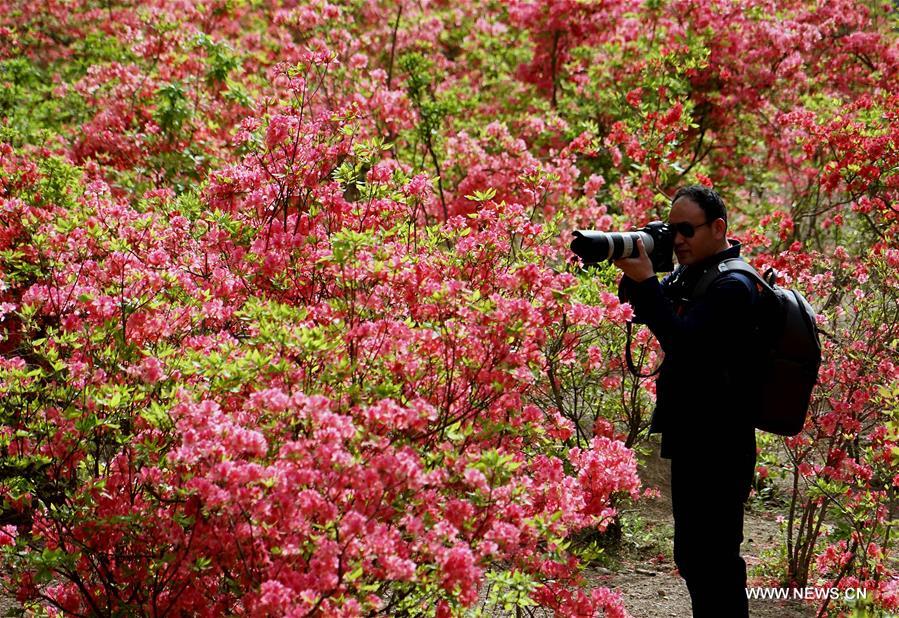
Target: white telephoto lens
{"points": [[628, 245], [649, 242]]}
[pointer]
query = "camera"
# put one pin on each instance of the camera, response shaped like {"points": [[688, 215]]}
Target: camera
{"points": [[658, 239]]}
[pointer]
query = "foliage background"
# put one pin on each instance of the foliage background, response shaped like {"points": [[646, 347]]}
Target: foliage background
{"points": [[288, 320]]}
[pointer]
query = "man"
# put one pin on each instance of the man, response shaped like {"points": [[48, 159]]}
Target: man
{"points": [[703, 398]]}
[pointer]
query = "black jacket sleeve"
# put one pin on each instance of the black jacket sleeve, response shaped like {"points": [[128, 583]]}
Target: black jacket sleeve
{"points": [[626, 288], [713, 320]]}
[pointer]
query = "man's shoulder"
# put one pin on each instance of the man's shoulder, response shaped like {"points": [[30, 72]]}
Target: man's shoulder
{"points": [[735, 282]]}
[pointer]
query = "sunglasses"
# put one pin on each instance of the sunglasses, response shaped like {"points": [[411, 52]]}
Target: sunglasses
{"points": [[687, 230]]}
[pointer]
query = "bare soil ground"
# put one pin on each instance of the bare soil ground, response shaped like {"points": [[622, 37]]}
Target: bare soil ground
{"points": [[7, 605], [651, 587]]}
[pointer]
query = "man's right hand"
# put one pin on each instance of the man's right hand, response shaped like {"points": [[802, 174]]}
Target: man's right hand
{"points": [[639, 268]]}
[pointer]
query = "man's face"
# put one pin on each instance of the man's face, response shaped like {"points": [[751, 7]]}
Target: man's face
{"points": [[707, 238]]}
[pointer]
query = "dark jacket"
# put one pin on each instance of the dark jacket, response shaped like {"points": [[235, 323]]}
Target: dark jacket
{"points": [[704, 398]]}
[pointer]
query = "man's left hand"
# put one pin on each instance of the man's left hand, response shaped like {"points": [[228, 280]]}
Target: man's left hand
{"points": [[637, 268]]}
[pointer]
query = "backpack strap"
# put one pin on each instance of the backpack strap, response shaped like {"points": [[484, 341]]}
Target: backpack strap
{"points": [[728, 265]]}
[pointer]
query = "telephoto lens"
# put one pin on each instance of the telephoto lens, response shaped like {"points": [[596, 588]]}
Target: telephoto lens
{"points": [[594, 247]]}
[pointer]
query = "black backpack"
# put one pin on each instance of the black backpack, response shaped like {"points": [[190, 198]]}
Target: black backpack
{"points": [[789, 350]]}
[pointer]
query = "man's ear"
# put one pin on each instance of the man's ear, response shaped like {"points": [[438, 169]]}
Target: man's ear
{"points": [[719, 228]]}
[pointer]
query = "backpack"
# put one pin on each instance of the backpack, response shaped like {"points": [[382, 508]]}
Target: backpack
{"points": [[789, 351]]}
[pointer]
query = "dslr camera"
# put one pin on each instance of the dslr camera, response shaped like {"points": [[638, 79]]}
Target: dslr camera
{"points": [[658, 239]]}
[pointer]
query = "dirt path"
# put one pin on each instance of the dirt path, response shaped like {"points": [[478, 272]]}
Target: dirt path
{"points": [[651, 587], [6, 605]]}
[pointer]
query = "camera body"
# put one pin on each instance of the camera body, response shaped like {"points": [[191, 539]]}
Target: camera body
{"points": [[658, 239]]}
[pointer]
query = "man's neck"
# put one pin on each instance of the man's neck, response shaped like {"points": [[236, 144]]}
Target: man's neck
{"points": [[714, 258]]}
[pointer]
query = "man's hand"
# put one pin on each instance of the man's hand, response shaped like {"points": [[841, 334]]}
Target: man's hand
{"points": [[638, 268]]}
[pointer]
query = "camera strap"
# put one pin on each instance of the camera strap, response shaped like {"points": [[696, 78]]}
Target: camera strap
{"points": [[630, 359]]}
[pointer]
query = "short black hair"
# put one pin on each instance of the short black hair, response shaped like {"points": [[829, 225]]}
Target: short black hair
{"points": [[707, 199]]}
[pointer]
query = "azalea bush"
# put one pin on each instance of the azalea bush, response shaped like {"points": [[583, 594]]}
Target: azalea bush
{"points": [[289, 393], [289, 323]]}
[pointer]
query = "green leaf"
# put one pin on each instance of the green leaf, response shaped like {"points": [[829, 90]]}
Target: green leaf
{"points": [[482, 196]]}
